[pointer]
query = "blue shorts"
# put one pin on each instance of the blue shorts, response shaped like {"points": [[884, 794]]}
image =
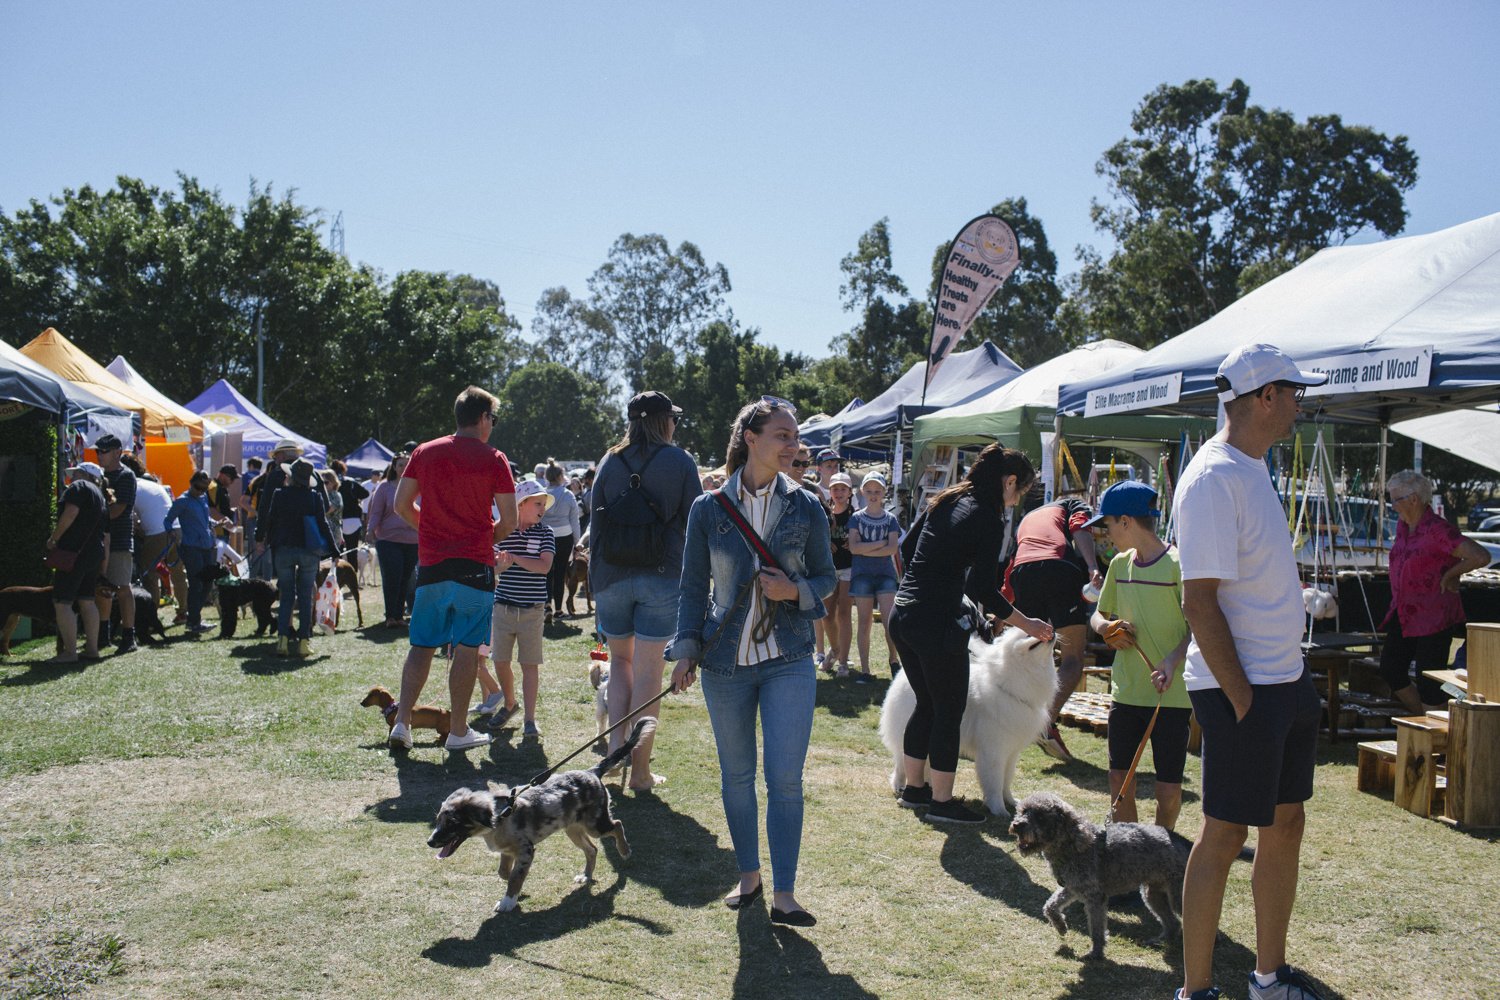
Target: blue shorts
{"points": [[447, 612], [872, 586], [642, 605]]}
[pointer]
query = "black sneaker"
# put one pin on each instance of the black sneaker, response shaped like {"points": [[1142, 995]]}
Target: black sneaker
{"points": [[127, 642], [951, 811], [915, 798]]}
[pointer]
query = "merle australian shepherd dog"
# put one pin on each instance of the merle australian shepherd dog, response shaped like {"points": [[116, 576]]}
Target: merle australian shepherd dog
{"points": [[513, 821]]}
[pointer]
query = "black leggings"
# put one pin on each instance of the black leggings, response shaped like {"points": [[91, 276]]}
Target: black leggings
{"points": [[559, 570], [939, 679], [1430, 652]]}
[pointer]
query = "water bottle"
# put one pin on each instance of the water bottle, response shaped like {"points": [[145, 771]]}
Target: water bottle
{"points": [[1091, 592]]}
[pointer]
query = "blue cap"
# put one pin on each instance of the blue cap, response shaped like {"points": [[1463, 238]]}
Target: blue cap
{"points": [[1130, 498]]}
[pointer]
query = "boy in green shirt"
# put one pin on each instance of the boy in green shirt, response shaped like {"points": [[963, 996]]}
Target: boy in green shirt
{"points": [[1140, 611]]}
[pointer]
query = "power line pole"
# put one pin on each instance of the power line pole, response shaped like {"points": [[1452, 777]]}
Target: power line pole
{"points": [[336, 235]]}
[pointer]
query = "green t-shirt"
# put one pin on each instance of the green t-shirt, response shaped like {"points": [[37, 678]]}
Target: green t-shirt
{"points": [[1148, 596]]}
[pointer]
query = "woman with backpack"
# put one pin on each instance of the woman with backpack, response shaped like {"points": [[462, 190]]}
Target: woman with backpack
{"points": [[763, 542], [641, 496]]}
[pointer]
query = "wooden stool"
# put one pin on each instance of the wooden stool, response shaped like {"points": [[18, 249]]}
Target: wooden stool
{"points": [[1473, 798], [1418, 739], [1377, 766]]}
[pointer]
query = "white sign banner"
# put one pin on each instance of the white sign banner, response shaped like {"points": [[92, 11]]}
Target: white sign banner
{"points": [[984, 254], [1163, 390], [1372, 371], [1049, 466]]}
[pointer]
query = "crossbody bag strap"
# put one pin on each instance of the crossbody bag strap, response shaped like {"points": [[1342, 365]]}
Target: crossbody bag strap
{"points": [[756, 543]]}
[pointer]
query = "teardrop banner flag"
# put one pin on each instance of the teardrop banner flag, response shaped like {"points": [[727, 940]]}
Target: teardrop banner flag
{"points": [[984, 254]]}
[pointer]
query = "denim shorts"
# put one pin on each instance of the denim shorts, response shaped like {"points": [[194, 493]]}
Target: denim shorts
{"points": [[643, 605], [872, 586], [449, 611]]}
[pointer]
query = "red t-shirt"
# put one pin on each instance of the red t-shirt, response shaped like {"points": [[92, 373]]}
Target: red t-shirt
{"points": [[1047, 532], [458, 477]]}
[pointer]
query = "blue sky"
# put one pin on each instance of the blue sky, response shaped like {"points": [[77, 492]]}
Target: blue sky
{"points": [[517, 141]]}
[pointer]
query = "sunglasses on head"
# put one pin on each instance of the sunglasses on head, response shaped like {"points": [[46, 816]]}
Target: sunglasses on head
{"points": [[777, 403]]}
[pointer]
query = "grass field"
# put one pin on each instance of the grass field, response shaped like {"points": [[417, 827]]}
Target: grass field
{"points": [[206, 819]]}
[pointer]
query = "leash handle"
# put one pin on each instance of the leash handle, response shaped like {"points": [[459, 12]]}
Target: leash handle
{"points": [[543, 776], [1128, 788]]}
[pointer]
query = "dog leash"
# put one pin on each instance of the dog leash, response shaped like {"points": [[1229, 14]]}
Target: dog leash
{"points": [[1128, 788], [543, 776]]}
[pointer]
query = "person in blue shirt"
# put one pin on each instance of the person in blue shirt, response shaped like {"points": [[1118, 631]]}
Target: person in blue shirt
{"points": [[189, 515]]}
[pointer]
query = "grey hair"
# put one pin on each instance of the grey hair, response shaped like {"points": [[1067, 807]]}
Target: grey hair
{"points": [[1414, 481]]}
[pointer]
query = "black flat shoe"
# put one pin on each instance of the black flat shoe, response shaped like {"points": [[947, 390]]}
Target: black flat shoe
{"points": [[744, 899], [794, 918]]}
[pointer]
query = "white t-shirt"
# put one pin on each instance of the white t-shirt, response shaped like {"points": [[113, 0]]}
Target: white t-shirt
{"points": [[1231, 527], [151, 503]]}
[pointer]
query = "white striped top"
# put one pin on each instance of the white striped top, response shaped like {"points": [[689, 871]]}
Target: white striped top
{"points": [[756, 507]]}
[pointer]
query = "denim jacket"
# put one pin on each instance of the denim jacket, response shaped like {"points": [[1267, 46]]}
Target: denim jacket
{"points": [[709, 623]]}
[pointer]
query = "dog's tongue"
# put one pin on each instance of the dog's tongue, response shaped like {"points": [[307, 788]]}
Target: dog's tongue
{"points": [[448, 849]]}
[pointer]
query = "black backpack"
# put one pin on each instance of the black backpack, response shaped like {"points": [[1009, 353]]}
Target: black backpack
{"points": [[634, 531]]}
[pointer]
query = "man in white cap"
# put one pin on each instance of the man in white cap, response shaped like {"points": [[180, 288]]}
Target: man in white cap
{"points": [[1244, 671]]}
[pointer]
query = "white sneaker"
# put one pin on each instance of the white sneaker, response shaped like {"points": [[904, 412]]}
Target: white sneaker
{"points": [[472, 738], [490, 704], [400, 737]]}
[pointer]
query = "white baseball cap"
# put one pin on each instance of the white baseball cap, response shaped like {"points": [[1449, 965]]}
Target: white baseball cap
{"points": [[1248, 368], [840, 479], [528, 488], [872, 477]]}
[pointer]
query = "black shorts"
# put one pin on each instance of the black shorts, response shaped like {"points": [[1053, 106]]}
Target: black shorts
{"points": [[80, 581], [1052, 590], [1169, 740], [1265, 759]]}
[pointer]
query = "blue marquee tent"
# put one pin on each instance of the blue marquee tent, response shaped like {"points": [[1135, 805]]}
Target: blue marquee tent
{"points": [[964, 376], [224, 409], [372, 456]]}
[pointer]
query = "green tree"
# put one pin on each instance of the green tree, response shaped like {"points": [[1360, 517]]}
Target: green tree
{"points": [[656, 300], [550, 410], [1021, 319], [888, 341], [572, 332], [1213, 195], [868, 270]]}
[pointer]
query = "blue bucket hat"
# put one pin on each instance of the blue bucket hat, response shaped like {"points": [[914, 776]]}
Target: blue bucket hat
{"points": [[1129, 498]]}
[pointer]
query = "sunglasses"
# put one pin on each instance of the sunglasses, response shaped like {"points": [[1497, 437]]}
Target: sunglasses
{"points": [[777, 403], [797, 463], [1397, 499], [1300, 390]]}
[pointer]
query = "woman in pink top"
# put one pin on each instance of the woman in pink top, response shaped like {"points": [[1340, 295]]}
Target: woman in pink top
{"points": [[1427, 559], [395, 544]]}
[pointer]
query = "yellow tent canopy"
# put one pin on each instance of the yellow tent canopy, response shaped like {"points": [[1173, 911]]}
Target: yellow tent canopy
{"points": [[58, 354]]}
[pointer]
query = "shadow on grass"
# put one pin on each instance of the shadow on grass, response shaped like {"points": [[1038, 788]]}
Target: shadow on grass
{"points": [[559, 629], [992, 868], [425, 782], [673, 852], [378, 634], [844, 697], [510, 933], [260, 659], [779, 961], [39, 672]]}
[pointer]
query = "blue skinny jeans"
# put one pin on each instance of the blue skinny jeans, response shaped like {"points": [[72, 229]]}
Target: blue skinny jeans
{"points": [[296, 568]]}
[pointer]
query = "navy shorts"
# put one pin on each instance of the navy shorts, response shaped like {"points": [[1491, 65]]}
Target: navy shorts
{"points": [[1169, 740], [1052, 590], [1265, 759]]}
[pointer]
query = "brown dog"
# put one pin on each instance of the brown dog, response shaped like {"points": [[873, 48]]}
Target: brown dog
{"points": [[578, 577], [348, 579], [34, 603], [422, 717]]}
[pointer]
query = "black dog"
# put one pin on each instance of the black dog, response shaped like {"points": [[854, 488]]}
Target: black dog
{"points": [[147, 616], [231, 593]]}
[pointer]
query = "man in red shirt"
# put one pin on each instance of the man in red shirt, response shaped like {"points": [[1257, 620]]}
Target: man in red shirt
{"points": [[446, 494]]}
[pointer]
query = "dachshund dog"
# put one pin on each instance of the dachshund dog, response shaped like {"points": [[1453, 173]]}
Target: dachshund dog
{"points": [[34, 603], [578, 578], [513, 821], [348, 579], [422, 717]]}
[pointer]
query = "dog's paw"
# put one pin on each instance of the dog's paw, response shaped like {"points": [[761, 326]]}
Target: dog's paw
{"points": [[506, 904], [583, 879]]}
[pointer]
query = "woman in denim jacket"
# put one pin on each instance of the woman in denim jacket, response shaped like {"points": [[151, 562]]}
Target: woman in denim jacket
{"points": [[753, 636]]}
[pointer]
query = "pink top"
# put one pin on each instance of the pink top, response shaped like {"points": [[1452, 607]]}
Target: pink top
{"points": [[385, 524], [1419, 558]]}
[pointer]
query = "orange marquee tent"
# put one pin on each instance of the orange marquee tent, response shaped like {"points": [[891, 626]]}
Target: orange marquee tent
{"points": [[58, 354]]}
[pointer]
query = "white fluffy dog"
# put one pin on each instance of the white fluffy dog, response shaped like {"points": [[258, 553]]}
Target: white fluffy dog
{"points": [[1011, 684]]}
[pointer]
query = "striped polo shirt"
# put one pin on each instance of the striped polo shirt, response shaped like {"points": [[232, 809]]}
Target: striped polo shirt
{"points": [[521, 587]]}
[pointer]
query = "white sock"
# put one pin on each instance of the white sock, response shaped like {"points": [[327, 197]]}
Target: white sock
{"points": [[1265, 978]]}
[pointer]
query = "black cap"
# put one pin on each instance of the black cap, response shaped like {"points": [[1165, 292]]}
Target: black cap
{"points": [[107, 442], [647, 404], [230, 471]]}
